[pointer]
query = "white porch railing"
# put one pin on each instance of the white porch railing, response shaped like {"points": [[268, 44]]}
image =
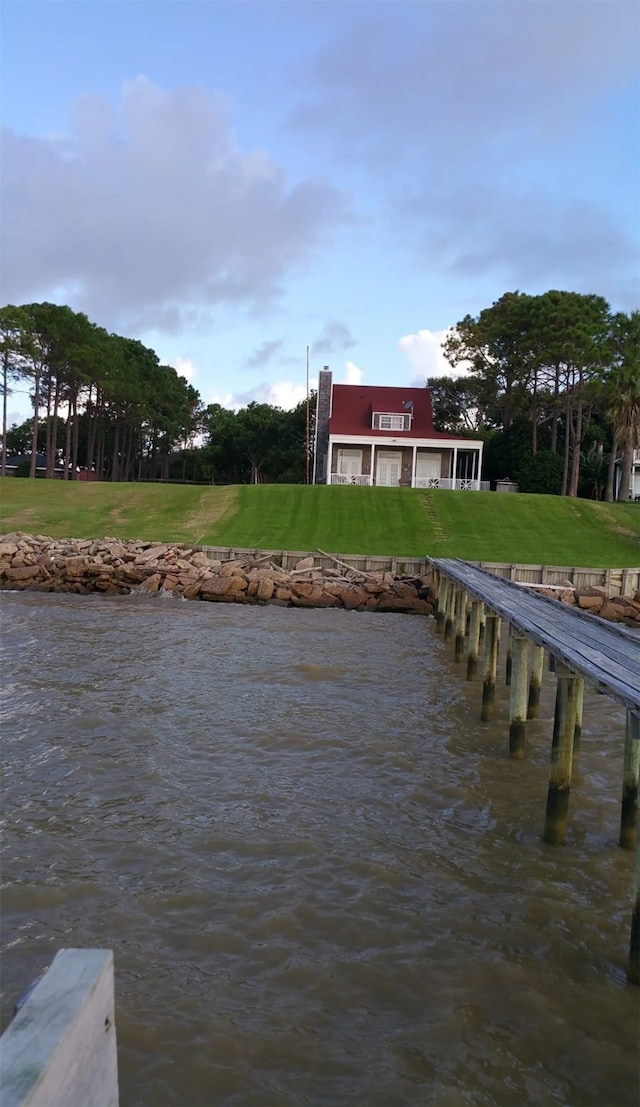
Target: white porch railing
{"points": [[460, 484], [350, 478]]}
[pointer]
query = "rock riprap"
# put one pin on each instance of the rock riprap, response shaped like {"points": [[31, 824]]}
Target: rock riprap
{"points": [[44, 564]]}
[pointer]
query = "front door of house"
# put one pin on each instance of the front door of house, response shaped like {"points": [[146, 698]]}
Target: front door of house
{"points": [[388, 466]]}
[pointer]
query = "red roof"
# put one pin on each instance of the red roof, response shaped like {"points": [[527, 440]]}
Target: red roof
{"points": [[353, 406]]}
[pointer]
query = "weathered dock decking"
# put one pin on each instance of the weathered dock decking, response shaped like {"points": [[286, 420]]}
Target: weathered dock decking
{"points": [[60, 1050], [581, 647], [605, 654]]}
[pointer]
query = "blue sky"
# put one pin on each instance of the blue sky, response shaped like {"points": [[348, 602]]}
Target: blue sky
{"points": [[233, 182]]}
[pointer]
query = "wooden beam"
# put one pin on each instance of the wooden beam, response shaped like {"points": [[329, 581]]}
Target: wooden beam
{"points": [[60, 1049]]}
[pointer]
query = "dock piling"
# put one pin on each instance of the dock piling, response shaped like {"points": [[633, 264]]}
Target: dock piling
{"points": [[629, 813], [476, 613], [535, 683], [518, 695], [561, 756], [460, 619], [491, 647], [450, 602]]}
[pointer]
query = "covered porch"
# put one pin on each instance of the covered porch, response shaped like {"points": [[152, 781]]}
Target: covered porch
{"points": [[383, 464]]}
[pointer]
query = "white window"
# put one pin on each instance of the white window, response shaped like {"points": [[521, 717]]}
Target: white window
{"points": [[428, 466], [387, 421], [350, 462]]}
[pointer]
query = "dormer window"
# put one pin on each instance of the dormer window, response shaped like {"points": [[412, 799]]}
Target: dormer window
{"points": [[386, 421]]}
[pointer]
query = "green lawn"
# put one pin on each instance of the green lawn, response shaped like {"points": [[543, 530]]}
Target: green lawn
{"points": [[477, 526]]}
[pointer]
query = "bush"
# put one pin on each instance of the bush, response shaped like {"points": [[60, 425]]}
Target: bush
{"points": [[542, 473]]}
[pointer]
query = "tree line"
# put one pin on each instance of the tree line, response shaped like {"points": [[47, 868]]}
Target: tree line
{"points": [[106, 404], [552, 386]]}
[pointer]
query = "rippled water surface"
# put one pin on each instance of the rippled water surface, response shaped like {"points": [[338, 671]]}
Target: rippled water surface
{"points": [[322, 876]]}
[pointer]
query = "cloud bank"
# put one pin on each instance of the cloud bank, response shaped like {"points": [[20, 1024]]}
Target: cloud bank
{"points": [[149, 214]]}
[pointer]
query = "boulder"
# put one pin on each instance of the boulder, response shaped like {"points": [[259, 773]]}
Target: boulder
{"points": [[151, 584], [590, 603], [612, 612], [265, 589]]}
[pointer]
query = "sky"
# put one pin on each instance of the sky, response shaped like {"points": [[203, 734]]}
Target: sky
{"points": [[232, 182]]}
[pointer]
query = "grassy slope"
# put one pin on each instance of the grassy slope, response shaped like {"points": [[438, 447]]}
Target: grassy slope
{"points": [[78, 510], [479, 526]]}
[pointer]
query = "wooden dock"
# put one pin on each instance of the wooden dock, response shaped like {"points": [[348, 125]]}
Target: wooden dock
{"points": [[471, 606], [60, 1050]]}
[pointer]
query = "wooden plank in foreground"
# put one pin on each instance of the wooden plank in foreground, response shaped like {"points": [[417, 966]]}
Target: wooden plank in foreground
{"points": [[60, 1049]]}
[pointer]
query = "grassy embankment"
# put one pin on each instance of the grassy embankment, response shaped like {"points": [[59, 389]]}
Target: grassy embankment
{"points": [[478, 526]]}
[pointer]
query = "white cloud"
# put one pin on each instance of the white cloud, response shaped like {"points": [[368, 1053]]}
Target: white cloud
{"points": [[284, 394], [353, 375], [184, 367], [425, 355], [151, 211]]}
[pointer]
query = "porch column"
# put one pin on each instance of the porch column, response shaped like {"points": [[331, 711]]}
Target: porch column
{"points": [[373, 462], [455, 466], [413, 467]]}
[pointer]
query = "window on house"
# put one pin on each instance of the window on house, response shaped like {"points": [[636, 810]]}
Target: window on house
{"points": [[388, 422], [350, 462]]}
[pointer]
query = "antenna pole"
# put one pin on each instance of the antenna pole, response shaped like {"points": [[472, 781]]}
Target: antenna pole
{"points": [[307, 439]]}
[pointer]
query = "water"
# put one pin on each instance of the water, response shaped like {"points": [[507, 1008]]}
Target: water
{"points": [[322, 877]]}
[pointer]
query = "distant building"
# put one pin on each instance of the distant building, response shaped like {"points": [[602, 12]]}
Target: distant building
{"points": [[634, 486], [14, 462], [385, 436]]}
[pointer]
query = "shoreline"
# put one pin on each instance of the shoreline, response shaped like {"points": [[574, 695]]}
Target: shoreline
{"points": [[40, 563]]}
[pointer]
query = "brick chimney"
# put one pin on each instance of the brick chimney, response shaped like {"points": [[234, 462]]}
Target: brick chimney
{"points": [[323, 411]]}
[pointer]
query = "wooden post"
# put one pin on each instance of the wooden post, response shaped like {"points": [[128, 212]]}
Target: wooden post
{"points": [[633, 970], [518, 697], [474, 638], [460, 622], [577, 733], [509, 658], [449, 615], [629, 813], [561, 756], [443, 588], [535, 684], [434, 588], [61, 1046], [491, 647], [483, 618]]}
